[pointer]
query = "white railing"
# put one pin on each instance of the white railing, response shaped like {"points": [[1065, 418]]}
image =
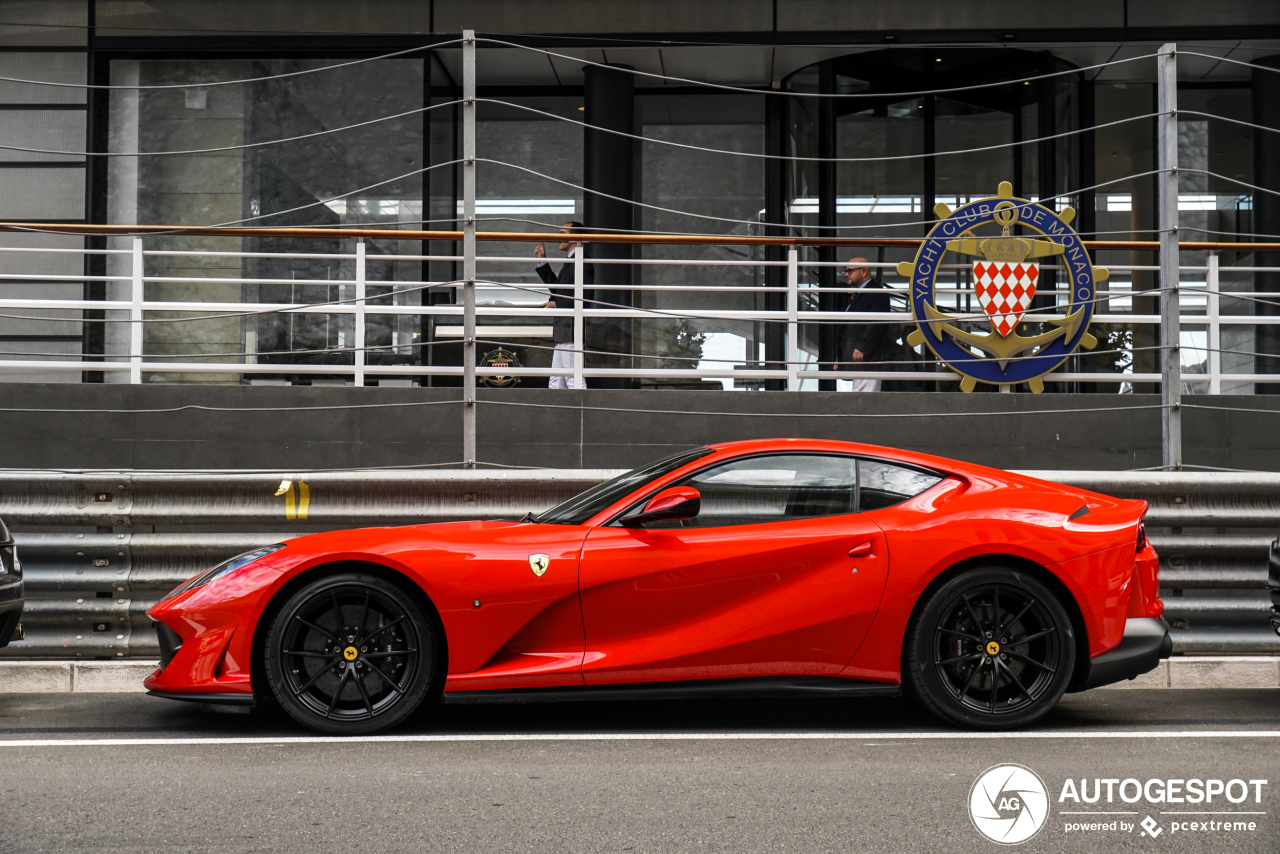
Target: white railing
{"points": [[797, 370]]}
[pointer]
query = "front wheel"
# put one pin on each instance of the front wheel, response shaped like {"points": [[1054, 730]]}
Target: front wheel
{"points": [[350, 654], [992, 649]]}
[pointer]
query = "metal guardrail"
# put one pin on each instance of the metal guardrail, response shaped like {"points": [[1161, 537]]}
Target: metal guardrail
{"points": [[325, 500], [88, 590]]}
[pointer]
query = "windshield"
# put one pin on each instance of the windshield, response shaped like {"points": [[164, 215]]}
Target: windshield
{"points": [[583, 506]]}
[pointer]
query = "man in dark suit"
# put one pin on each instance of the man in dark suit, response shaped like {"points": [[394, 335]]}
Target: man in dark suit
{"points": [[562, 297], [860, 342]]}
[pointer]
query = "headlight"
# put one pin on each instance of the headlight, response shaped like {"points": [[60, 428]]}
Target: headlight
{"points": [[222, 569]]}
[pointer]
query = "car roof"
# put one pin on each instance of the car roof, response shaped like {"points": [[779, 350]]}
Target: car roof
{"points": [[727, 450], [842, 447]]}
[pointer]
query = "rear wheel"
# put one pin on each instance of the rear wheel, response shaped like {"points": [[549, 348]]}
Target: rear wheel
{"points": [[350, 654], [991, 649]]}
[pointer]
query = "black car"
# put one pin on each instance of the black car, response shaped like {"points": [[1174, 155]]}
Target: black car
{"points": [[1273, 584], [11, 600]]}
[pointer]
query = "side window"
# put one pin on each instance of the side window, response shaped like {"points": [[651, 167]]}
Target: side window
{"points": [[773, 489], [884, 484]]}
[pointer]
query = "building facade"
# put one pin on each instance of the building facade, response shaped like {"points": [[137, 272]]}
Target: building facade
{"points": [[798, 118]]}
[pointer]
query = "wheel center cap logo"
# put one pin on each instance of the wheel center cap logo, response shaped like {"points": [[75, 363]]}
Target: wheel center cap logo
{"points": [[1008, 804], [993, 648], [350, 653]]}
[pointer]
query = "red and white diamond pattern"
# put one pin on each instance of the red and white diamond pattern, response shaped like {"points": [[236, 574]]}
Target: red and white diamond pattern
{"points": [[1004, 291]]}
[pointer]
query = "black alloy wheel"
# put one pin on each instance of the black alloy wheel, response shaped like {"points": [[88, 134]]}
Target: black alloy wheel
{"points": [[350, 654], [991, 649]]}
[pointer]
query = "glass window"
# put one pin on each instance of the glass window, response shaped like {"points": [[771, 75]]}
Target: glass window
{"points": [[318, 178], [711, 185], [756, 490], [883, 484], [582, 507]]}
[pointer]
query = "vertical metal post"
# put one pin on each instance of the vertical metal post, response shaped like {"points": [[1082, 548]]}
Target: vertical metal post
{"points": [[1215, 327], [579, 357], [469, 249], [135, 316], [793, 319], [359, 314], [1167, 222]]}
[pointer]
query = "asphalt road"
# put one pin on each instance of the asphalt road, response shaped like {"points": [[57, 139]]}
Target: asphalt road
{"points": [[767, 776]]}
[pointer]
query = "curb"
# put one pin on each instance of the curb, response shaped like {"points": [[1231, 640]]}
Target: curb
{"points": [[116, 677], [1210, 671], [86, 677]]}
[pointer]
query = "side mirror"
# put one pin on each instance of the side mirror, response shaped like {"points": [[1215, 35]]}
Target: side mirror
{"points": [[677, 503]]}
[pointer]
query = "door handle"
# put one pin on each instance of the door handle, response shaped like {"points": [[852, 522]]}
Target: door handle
{"points": [[862, 550]]}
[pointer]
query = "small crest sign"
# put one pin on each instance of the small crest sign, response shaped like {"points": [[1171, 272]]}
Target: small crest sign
{"points": [[500, 359]]}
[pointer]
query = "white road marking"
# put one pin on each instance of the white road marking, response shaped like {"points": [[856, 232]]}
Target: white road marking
{"points": [[631, 736]]}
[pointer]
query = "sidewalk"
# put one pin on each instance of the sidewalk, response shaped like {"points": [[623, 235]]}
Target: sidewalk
{"points": [[89, 677]]}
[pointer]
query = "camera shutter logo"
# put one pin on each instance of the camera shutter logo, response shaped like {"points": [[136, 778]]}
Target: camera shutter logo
{"points": [[1008, 804]]}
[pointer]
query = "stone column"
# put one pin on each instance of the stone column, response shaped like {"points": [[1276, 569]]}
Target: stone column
{"points": [[609, 169]]}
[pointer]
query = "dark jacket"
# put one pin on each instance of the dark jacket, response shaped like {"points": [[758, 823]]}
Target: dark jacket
{"points": [[562, 327], [864, 336]]}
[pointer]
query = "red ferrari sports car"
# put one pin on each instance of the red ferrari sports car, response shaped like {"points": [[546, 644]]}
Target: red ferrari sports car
{"points": [[760, 568]]}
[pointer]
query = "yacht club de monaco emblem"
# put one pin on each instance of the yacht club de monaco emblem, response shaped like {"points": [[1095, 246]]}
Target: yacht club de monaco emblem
{"points": [[500, 359], [1005, 276]]}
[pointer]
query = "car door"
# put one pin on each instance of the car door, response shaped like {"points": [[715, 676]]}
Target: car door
{"points": [[512, 612], [777, 575]]}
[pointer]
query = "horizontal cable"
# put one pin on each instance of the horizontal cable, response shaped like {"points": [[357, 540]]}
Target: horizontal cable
{"points": [[952, 414], [789, 157], [192, 357], [196, 229], [659, 209], [1245, 246], [1254, 187], [604, 304], [242, 147], [293, 471], [1223, 408], [765, 364], [1224, 375], [793, 94], [1226, 119], [768, 362], [553, 225], [1272, 69], [532, 310], [599, 229], [1182, 466], [292, 309], [1236, 295], [211, 84], [206, 408]]}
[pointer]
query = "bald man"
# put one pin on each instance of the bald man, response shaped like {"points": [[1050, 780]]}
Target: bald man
{"points": [[860, 341]]}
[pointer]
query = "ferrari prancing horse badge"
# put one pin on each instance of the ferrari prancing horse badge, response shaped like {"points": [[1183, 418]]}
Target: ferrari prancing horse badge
{"points": [[539, 564]]}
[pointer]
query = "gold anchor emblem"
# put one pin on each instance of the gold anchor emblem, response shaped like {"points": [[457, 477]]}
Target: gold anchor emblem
{"points": [[1004, 345], [539, 564]]}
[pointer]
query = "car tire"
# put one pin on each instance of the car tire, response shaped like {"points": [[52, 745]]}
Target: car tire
{"points": [[991, 648], [351, 654]]}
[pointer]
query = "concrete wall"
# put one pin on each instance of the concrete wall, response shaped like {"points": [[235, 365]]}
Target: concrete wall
{"points": [[308, 428]]}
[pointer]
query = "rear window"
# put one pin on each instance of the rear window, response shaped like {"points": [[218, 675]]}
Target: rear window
{"points": [[882, 484]]}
